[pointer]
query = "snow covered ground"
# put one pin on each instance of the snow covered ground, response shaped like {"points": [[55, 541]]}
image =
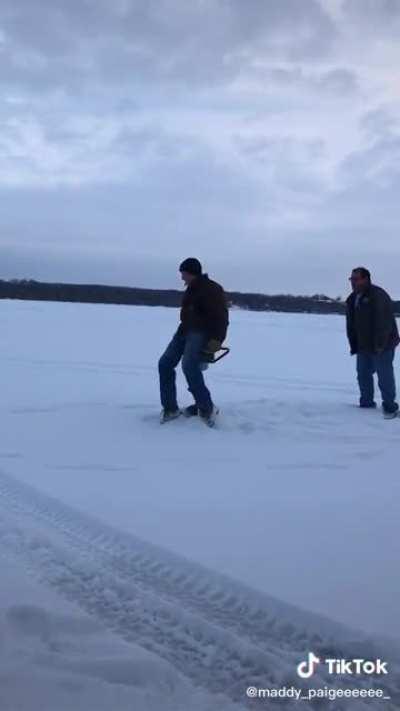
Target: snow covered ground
{"points": [[147, 567]]}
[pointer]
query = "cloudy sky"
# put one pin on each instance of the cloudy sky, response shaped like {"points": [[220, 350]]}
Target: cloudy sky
{"points": [[261, 135]]}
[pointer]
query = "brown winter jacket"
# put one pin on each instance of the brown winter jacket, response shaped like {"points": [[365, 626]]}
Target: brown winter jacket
{"points": [[371, 324], [204, 308]]}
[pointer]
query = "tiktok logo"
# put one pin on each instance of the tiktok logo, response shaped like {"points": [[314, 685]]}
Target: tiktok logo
{"points": [[342, 667], [307, 669]]}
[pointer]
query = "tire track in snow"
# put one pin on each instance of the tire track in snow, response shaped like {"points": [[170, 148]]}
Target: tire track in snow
{"points": [[210, 657], [172, 576], [219, 633]]}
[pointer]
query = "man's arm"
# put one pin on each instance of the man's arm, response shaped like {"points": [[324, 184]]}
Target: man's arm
{"points": [[351, 334], [215, 311], [383, 316]]}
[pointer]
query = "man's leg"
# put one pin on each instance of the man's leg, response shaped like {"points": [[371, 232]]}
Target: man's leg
{"points": [[191, 365], [166, 368], [365, 376], [386, 380]]}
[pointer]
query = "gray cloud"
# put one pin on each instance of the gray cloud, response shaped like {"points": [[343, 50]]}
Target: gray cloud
{"points": [[380, 123], [378, 15], [256, 134], [333, 83], [67, 44]]}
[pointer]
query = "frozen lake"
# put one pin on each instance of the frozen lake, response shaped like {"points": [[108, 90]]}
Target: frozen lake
{"points": [[295, 494]]}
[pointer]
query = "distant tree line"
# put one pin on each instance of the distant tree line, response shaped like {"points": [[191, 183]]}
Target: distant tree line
{"points": [[101, 294]]}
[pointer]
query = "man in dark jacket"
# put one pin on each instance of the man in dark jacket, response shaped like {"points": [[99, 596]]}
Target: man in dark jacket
{"points": [[203, 327], [373, 336]]}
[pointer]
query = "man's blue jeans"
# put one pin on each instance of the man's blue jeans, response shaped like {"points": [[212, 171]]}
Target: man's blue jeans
{"points": [[187, 346], [382, 365]]}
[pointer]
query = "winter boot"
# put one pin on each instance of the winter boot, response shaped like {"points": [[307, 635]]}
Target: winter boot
{"points": [[209, 417], [390, 414], [191, 411], [168, 415]]}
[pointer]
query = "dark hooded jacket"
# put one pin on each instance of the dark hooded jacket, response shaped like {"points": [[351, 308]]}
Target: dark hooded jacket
{"points": [[371, 324], [204, 308]]}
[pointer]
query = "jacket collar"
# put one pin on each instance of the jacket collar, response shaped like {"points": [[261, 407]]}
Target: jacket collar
{"points": [[355, 296], [197, 282]]}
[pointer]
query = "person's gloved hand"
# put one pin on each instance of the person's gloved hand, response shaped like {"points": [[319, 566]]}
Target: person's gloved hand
{"points": [[212, 346]]}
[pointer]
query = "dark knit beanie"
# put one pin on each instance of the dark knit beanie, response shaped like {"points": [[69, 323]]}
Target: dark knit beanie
{"points": [[191, 266]]}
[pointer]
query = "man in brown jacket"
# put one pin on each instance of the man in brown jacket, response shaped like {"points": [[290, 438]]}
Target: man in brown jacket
{"points": [[203, 327], [373, 336]]}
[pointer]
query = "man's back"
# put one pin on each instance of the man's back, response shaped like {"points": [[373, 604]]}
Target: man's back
{"points": [[204, 308]]}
